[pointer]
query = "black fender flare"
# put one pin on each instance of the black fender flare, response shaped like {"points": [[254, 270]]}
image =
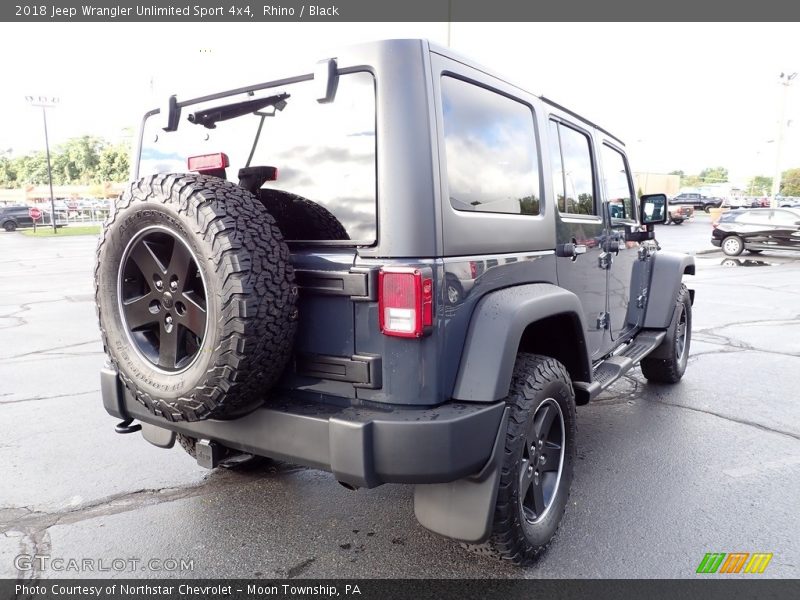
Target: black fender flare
{"points": [[495, 331], [665, 282]]}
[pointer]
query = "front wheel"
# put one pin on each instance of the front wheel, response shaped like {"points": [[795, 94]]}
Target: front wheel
{"points": [[667, 364], [9, 226], [538, 461], [732, 245]]}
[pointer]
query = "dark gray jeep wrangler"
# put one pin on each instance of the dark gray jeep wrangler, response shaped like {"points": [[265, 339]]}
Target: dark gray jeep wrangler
{"points": [[395, 266]]}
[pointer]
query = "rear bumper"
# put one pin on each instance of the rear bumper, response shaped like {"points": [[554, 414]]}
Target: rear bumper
{"points": [[361, 446], [716, 242]]}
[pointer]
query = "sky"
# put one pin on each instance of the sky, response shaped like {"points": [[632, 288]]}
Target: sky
{"points": [[681, 95]]}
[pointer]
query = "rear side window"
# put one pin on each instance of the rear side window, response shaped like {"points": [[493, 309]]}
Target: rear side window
{"points": [[325, 154], [490, 148], [573, 175]]}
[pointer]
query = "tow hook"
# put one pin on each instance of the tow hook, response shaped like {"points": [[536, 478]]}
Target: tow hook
{"points": [[126, 427]]}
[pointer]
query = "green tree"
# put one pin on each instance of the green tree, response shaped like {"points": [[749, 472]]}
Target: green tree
{"points": [[760, 185], [679, 173], [790, 182], [8, 174], [31, 168], [714, 175], [114, 164], [76, 160]]}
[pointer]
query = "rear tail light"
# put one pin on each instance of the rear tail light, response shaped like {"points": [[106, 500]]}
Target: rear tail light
{"points": [[715, 224], [405, 302], [209, 163], [473, 269]]}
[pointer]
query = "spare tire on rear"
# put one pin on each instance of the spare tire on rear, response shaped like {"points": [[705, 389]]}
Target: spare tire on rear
{"points": [[195, 296]]}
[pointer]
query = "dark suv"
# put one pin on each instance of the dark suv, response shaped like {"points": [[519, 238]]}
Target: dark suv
{"points": [[16, 217], [397, 267]]}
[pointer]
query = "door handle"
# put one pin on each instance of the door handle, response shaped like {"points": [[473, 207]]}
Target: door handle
{"points": [[571, 250]]}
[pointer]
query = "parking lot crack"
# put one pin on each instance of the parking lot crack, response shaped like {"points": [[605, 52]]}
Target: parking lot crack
{"points": [[53, 397], [33, 520], [794, 436]]}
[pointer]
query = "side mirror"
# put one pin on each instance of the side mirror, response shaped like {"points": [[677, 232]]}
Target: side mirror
{"points": [[653, 208]]}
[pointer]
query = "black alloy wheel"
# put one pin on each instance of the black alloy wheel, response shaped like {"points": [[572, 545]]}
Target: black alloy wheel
{"points": [[542, 461], [162, 299]]}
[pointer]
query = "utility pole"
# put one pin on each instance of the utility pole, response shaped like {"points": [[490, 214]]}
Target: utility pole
{"points": [[785, 81], [47, 102]]}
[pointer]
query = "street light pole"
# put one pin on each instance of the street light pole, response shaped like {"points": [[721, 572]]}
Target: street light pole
{"points": [[49, 172], [785, 81], [47, 102]]}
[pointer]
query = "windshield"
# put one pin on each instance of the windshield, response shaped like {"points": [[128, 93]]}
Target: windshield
{"points": [[324, 153]]}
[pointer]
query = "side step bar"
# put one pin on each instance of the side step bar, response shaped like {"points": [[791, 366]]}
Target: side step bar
{"points": [[615, 367]]}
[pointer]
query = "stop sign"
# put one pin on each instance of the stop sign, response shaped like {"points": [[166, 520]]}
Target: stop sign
{"points": [[34, 213]]}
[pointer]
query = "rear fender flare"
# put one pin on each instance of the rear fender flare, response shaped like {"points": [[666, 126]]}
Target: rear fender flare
{"points": [[495, 332]]}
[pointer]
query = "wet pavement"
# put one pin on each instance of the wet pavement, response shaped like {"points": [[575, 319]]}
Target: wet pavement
{"points": [[665, 473]]}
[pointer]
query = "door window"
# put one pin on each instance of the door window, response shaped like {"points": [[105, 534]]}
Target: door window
{"points": [[617, 181], [573, 175]]}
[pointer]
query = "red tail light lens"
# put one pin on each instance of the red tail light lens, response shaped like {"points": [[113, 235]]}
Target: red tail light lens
{"points": [[405, 302], [209, 162], [473, 269]]}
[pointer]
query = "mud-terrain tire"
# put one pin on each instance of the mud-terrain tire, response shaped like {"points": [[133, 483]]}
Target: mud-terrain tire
{"points": [[541, 389], [301, 219], [673, 354], [220, 315]]}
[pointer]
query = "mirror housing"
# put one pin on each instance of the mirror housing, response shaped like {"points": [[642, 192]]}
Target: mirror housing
{"points": [[326, 80], [170, 114], [653, 209]]}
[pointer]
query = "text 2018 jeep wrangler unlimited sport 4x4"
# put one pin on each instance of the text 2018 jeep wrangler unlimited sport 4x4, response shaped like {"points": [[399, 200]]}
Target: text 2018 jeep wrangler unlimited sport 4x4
{"points": [[419, 273]]}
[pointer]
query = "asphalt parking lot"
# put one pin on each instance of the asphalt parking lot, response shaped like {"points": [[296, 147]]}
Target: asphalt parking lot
{"points": [[665, 473]]}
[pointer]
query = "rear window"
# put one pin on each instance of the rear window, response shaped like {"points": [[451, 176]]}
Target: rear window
{"points": [[325, 153]]}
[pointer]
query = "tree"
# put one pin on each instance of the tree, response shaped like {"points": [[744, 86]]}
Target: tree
{"points": [[714, 175], [31, 168], [759, 185], [8, 173], [679, 173], [790, 182], [114, 164], [76, 160]]}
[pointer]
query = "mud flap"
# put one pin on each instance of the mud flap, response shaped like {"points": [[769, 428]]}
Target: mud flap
{"points": [[463, 509]]}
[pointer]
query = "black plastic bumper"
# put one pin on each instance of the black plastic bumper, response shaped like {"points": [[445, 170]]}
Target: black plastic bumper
{"points": [[361, 446]]}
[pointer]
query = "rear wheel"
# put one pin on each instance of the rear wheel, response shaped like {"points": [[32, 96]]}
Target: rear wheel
{"points": [[9, 226], [732, 245], [538, 461], [669, 363]]}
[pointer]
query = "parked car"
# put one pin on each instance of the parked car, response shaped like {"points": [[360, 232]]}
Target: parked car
{"points": [[432, 317], [757, 229], [18, 217], [697, 201], [678, 213]]}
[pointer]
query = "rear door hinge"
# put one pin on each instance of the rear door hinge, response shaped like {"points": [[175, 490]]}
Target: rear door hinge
{"points": [[605, 260], [603, 320]]}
